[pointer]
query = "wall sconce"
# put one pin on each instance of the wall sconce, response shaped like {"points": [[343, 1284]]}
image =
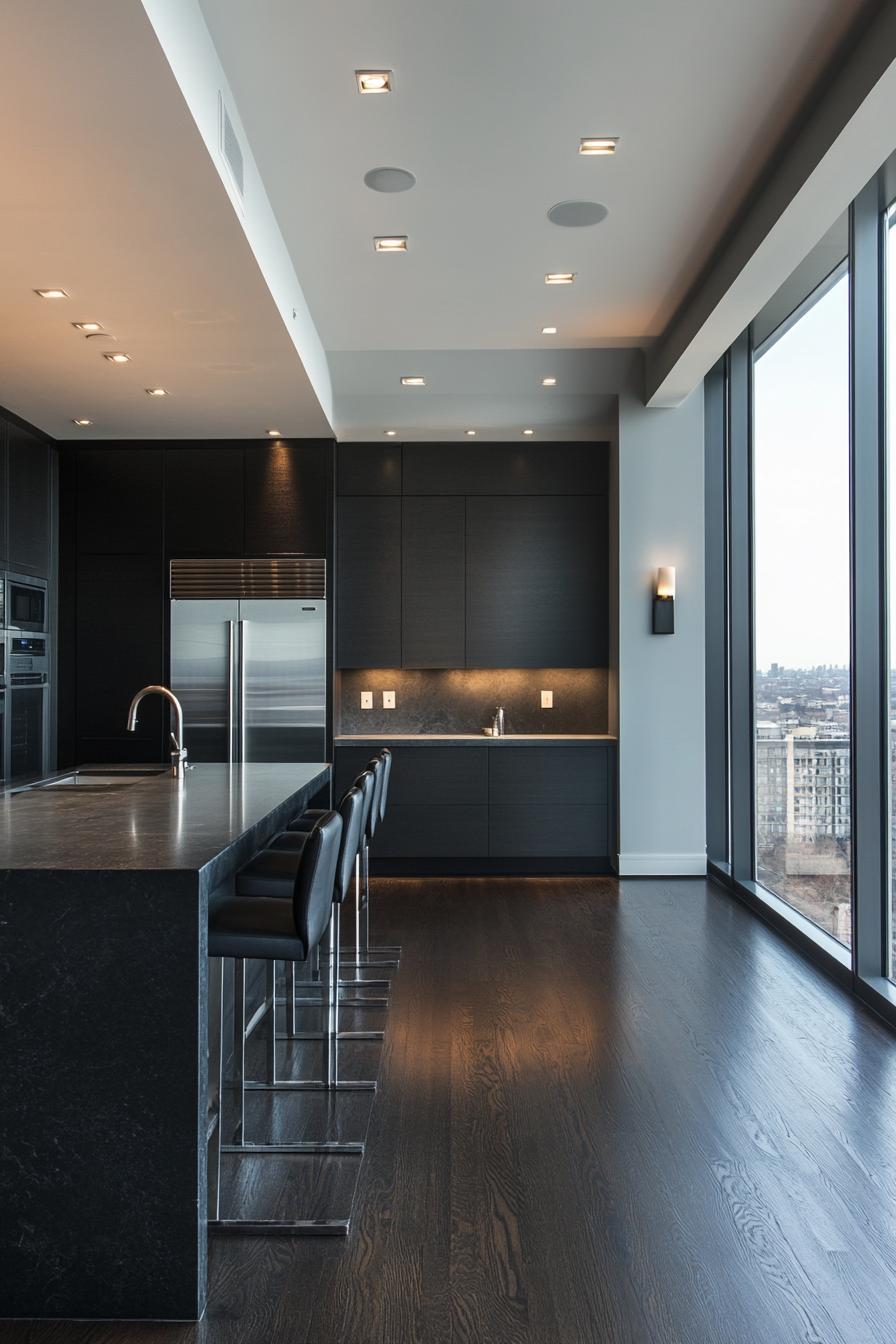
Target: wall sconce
{"points": [[664, 601]]}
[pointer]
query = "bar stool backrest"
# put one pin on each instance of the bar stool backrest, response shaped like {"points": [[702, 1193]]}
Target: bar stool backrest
{"points": [[312, 901], [367, 784], [387, 771], [351, 810], [376, 765]]}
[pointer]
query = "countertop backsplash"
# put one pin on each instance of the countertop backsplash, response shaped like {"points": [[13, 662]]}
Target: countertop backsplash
{"points": [[463, 701]]}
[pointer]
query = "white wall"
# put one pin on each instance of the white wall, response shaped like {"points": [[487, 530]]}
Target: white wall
{"points": [[659, 469]]}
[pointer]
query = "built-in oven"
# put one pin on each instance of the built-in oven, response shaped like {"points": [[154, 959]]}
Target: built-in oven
{"points": [[26, 603], [28, 678]]}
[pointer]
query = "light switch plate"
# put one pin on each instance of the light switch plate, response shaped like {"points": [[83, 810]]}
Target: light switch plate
{"points": [[388, 699], [367, 699], [547, 699]]}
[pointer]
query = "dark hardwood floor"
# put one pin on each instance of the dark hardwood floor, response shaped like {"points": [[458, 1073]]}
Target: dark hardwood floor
{"points": [[609, 1113]]}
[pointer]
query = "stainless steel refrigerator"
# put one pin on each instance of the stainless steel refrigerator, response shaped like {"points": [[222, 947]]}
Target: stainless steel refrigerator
{"points": [[250, 669]]}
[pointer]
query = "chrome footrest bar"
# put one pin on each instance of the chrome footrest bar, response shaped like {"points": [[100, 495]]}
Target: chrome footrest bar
{"points": [[302, 1227], [322, 1148]]}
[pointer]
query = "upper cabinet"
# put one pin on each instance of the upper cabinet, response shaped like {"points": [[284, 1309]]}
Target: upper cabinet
{"points": [[368, 469], [204, 510], [118, 499], [27, 545], [536, 579], [498, 556], [287, 498], [368, 582]]}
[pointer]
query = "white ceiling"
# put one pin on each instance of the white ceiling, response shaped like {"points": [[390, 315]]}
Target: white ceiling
{"points": [[489, 104], [108, 192]]}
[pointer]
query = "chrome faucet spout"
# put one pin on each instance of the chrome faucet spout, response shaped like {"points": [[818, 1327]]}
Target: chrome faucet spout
{"points": [[179, 751]]}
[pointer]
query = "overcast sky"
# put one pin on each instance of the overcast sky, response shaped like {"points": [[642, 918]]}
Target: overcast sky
{"points": [[801, 430]]}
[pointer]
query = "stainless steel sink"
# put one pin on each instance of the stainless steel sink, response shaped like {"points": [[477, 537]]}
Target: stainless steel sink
{"points": [[95, 781]]}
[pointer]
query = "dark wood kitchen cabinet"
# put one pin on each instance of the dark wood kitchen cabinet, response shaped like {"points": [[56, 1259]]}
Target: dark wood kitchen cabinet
{"points": [[204, 506], [368, 469], [286, 498], [368, 583], [549, 801], [432, 581], [28, 483], [536, 581], [118, 499]]}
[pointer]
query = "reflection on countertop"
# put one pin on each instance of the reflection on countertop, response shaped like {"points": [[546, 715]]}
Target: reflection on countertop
{"points": [[468, 739]]}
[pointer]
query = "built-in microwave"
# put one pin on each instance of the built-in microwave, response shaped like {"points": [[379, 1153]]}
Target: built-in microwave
{"points": [[26, 603]]}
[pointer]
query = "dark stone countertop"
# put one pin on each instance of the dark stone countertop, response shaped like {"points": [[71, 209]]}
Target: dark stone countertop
{"points": [[155, 824], [474, 739]]}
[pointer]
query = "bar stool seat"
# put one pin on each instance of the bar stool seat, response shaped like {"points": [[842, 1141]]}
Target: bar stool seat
{"points": [[256, 926], [271, 873]]}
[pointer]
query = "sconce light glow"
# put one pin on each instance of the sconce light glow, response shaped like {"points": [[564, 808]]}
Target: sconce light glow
{"points": [[665, 581]]}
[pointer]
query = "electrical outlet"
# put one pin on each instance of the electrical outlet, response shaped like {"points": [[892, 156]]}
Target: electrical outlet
{"points": [[388, 699], [367, 699], [547, 699]]}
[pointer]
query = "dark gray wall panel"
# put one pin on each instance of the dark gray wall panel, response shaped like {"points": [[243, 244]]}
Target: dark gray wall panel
{"points": [[368, 469]]}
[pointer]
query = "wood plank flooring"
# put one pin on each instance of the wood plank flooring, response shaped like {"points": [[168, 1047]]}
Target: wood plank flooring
{"points": [[609, 1113]]}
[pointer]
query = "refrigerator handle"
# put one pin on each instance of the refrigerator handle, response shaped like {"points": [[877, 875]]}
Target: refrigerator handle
{"points": [[244, 636], [230, 689]]}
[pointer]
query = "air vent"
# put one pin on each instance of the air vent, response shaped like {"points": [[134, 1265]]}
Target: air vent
{"points": [[230, 148], [281, 577]]}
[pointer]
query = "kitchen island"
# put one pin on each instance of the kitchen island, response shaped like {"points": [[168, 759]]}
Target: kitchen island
{"points": [[104, 888]]}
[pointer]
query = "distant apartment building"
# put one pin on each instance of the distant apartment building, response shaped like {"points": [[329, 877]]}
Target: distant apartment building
{"points": [[802, 784]]}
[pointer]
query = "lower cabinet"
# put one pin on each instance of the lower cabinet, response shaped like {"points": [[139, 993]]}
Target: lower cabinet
{"points": [[492, 808]]}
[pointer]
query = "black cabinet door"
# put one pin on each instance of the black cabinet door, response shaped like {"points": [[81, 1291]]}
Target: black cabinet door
{"points": [[537, 587], [418, 831], [119, 500], [29, 502], [368, 582], [432, 581], [505, 469], [368, 469], [4, 498], [286, 498], [119, 648], [204, 501]]}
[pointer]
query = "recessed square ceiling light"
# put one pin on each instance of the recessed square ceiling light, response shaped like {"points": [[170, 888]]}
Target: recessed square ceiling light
{"points": [[87, 326], [599, 144], [549, 382], [559, 277], [116, 357], [549, 331], [470, 433], [51, 293], [528, 431], [273, 434], [413, 380], [82, 423], [156, 392], [390, 433], [397, 244], [374, 81]]}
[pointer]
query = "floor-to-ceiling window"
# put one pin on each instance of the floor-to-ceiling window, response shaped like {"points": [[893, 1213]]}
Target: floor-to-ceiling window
{"points": [[801, 616], [890, 271]]}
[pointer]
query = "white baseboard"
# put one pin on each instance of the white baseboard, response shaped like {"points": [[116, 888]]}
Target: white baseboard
{"points": [[661, 865]]}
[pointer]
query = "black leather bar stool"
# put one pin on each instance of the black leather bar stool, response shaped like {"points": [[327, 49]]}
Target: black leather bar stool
{"points": [[382, 956], [270, 929], [354, 809]]}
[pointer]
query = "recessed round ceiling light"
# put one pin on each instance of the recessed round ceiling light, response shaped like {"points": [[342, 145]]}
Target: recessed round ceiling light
{"points": [[549, 331], [90, 328], [82, 423], [389, 179], [51, 293], [577, 214], [156, 392], [374, 81], [413, 380], [390, 433], [273, 433], [470, 433], [549, 382], [528, 431], [117, 357], [559, 277]]}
